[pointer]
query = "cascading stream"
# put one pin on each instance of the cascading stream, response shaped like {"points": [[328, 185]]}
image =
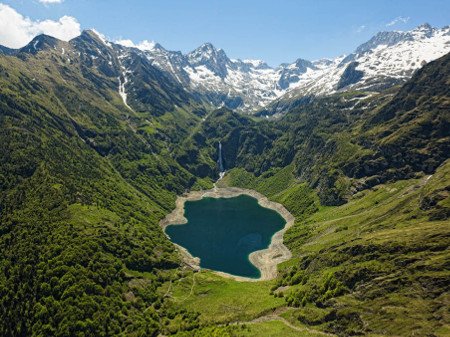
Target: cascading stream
{"points": [[220, 161]]}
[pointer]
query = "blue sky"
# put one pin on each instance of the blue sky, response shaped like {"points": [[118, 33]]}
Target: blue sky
{"points": [[275, 31]]}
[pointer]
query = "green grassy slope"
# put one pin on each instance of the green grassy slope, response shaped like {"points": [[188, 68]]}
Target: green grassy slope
{"points": [[376, 265], [221, 300], [83, 185], [279, 185]]}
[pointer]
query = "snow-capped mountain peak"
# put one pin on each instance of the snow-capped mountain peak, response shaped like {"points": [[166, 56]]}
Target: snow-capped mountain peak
{"points": [[206, 52], [387, 59], [425, 30], [213, 59], [249, 85]]}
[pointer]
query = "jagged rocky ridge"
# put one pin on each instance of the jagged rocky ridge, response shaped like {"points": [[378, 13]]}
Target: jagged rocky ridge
{"points": [[389, 58], [207, 74]]}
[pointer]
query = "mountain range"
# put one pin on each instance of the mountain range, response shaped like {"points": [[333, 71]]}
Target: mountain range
{"points": [[251, 86], [387, 59]]}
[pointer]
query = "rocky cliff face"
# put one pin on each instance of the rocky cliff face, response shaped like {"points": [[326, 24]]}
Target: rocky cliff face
{"points": [[251, 86]]}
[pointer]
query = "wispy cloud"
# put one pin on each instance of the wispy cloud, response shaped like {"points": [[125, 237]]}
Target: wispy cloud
{"points": [[16, 30], [398, 19], [46, 2], [361, 28]]}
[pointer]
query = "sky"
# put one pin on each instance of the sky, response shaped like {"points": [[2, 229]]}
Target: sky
{"points": [[275, 31]]}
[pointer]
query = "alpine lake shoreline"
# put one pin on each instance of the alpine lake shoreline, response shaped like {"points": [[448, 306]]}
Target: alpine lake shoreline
{"points": [[266, 260]]}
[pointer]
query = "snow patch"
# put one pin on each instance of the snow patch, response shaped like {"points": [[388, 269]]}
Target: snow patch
{"points": [[102, 38], [122, 90]]}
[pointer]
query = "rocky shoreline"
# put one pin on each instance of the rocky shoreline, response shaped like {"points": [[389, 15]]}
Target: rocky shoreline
{"points": [[265, 260]]}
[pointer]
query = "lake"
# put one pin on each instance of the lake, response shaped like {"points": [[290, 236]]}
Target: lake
{"points": [[223, 232]]}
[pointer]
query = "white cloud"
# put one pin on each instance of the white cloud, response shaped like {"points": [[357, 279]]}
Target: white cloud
{"points": [[398, 19], [126, 43], [16, 30], [51, 1], [143, 45]]}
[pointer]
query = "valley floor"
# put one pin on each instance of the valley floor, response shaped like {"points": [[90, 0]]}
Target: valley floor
{"points": [[387, 220]]}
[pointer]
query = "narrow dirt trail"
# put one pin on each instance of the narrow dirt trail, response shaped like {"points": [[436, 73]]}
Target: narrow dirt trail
{"points": [[181, 299], [275, 316]]}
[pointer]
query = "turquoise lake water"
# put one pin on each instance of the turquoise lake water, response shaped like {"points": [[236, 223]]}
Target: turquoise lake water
{"points": [[223, 232]]}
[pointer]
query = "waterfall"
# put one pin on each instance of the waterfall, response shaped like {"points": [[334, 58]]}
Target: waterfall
{"points": [[220, 161]]}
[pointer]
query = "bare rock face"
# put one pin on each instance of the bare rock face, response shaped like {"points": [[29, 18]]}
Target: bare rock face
{"points": [[208, 75]]}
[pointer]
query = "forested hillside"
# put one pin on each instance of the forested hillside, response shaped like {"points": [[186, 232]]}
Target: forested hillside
{"points": [[347, 142], [84, 181]]}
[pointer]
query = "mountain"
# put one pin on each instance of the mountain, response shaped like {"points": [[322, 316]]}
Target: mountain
{"points": [[209, 77], [6, 51], [78, 150], [245, 85], [387, 59], [347, 137], [368, 181], [39, 43], [251, 86], [208, 73]]}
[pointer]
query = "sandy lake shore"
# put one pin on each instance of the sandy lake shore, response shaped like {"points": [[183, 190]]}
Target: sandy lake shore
{"points": [[265, 260]]}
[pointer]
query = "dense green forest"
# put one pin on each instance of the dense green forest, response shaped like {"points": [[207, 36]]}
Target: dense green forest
{"points": [[82, 191], [85, 180]]}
